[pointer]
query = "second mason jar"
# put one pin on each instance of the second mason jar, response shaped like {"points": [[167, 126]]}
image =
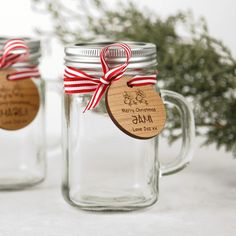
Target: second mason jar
{"points": [[22, 131], [104, 167]]}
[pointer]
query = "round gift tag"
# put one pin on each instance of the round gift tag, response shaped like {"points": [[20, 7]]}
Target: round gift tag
{"points": [[137, 111], [19, 102]]}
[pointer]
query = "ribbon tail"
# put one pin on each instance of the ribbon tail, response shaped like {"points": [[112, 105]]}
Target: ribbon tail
{"points": [[96, 98], [142, 80]]}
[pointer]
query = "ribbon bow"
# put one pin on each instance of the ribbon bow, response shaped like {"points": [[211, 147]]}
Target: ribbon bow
{"points": [[15, 51], [77, 81]]}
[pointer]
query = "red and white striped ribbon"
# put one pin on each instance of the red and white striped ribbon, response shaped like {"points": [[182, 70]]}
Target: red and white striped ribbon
{"points": [[15, 51], [77, 81]]}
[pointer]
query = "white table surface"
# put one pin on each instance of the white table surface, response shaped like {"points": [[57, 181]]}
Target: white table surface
{"points": [[199, 201]]}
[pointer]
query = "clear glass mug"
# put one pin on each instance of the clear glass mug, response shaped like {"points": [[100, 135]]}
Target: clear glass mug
{"points": [[104, 168], [22, 158]]}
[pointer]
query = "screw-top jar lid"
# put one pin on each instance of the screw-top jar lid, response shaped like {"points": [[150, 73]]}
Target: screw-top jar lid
{"points": [[34, 50], [86, 55]]}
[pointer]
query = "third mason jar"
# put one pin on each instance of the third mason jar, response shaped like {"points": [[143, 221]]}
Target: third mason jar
{"points": [[113, 114]]}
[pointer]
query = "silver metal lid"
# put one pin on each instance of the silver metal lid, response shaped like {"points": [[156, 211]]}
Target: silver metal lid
{"points": [[34, 50], [86, 55]]}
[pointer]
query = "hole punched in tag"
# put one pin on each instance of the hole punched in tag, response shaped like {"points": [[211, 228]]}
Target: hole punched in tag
{"points": [[19, 101], [137, 111]]}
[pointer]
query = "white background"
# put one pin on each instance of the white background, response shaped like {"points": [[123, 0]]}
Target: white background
{"points": [[199, 201], [17, 18]]}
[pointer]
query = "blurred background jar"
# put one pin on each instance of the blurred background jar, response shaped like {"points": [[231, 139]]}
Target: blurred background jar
{"points": [[22, 124]]}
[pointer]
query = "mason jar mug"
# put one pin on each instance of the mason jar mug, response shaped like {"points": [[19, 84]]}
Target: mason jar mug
{"points": [[22, 145], [105, 167]]}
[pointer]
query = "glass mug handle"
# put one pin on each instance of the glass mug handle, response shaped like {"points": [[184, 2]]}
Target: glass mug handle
{"points": [[188, 132]]}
